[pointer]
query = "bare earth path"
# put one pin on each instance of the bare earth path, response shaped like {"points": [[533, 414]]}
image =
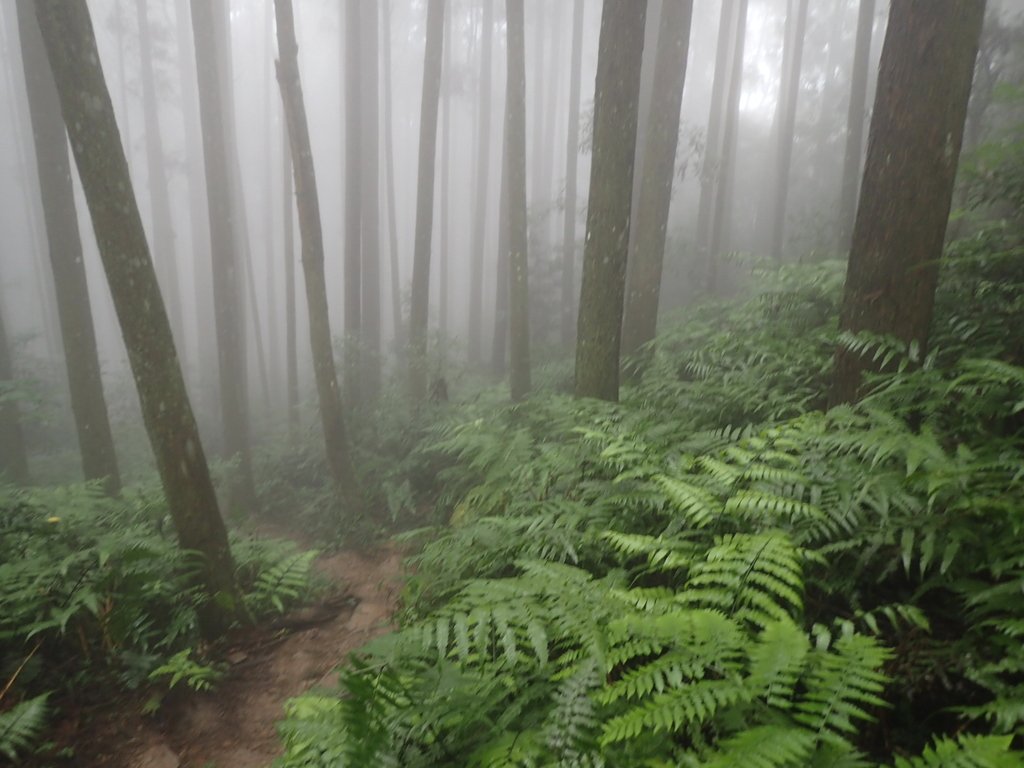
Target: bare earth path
{"points": [[234, 725]]}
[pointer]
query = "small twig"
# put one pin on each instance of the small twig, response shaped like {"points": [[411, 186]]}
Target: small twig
{"points": [[17, 672]]}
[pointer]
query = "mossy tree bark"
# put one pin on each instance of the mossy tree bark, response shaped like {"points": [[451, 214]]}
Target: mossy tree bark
{"points": [[648, 247], [85, 381], [89, 116], [339, 454], [917, 126], [616, 102]]}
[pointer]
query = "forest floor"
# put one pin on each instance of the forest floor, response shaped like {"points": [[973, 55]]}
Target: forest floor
{"points": [[233, 726]]}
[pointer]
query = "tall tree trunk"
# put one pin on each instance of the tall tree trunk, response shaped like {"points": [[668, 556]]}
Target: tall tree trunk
{"points": [[515, 138], [616, 97], [418, 314], [389, 169], [339, 454], [270, 261], [290, 342], [371, 201], [572, 152], [89, 116], [483, 180], [85, 382], [855, 120], [444, 214], [648, 244], [162, 226], [499, 350], [13, 458], [352, 81], [917, 126], [227, 267]]}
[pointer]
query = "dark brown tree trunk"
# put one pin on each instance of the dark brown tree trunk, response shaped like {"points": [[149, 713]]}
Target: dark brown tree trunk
{"points": [[515, 138], [572, 151], [418, 314], [227, 266], [616, 97], [13, 458], [85, 382], [917, 125], [339, 454], [648, 247], [855, 120], [370, 319], [352, 81], [389, 163], [89, 116]]}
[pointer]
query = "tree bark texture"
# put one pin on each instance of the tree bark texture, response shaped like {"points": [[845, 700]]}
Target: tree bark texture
{"points": [[616, 97], [917, 126]]}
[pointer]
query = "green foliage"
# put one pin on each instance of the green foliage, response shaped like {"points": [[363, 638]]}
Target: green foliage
{"points": [[21, 726], [181, 667]]}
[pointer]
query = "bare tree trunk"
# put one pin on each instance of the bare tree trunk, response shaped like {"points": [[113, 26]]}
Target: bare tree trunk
{"points": [[339, 454], [499, 350], [572, 151], [418, 314], [85, 382], [855, 119], [290, 342], [13, 458], [917, 127], [92, 129], [352, 81], [371, 202], [616, 97], [444, 214], [227, 267], [647, 251], [389, 162]]}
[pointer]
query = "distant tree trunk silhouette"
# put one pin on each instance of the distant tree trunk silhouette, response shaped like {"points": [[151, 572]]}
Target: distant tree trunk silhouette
{"points": [[443, 213], [370, 320], [226, 257], [85, 381], [651, 223], [89, 116], [162, 226], [351, 370], [917, 125], [389, 170], [515, 138], [855, 119], [499, 350], [290, 335], [616, 97], [419, 314], [13, 458], [339, 454], [572, 152], [785, 122], [483, 181]]}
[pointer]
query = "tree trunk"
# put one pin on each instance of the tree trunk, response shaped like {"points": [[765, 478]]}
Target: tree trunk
{"points": [[339, 454], [13, 458], [418, 314], [483, 181], [855, 119], [499, 350], [917, 126], [227, 267], [572, 152], [85, 381], [515, 138], [616, 97], [389, 163], [290, 342], [444, 213], [352, 80], [370, 319], [89, 116], [648, 247]]}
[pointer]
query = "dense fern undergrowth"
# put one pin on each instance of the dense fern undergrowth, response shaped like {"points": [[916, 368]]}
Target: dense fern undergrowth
{"points": [[717, 571]]}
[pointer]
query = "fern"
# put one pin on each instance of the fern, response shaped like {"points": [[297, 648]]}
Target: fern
{"points": [[965, 752], [21, 726]]}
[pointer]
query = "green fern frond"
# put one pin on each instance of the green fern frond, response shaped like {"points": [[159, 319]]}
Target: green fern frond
{"points": [[966, 752], [777, 661], [22, 725], [765, 746]]}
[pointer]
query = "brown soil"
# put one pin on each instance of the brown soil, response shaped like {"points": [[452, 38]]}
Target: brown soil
{"points": [[233, 726]]}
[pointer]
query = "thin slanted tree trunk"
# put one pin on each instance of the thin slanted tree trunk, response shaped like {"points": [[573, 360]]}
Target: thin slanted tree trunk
{"points": [[418, 313], [13, 458], [855, 120], [648, 246], [227, 267], [389, 169], [162, 227], [572, 151], [371, 202], [339, 454], [89, 117], [616, 97], [483, 174], [352, 84], [85, 382], [290, 342], [917, 126], [515, 138]]}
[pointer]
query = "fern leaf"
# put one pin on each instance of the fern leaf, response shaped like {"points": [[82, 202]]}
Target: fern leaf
{"points": [[765, 746], [20, 726], [966, 752]]}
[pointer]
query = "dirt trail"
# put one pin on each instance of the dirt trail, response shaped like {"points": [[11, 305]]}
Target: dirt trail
{"points": [[234, 725]]}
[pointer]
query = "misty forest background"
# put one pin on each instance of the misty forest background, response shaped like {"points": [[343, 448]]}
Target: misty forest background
{"points": [[680, 340]]}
